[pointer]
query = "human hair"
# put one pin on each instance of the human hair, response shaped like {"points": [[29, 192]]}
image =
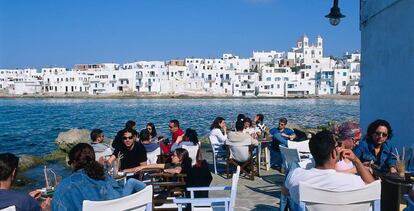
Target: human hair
{"points": [[95, 133], [348, 130], [241, 117], [175, 122], [216, 122], [130, 124], [82, 156], [321, 146], [8, 163], [375, 124], [247, 119], [283, 120], [260, 118], [153, 130], [192, 135], [144, 135], [239, 126], [130, 130], [185, 160]]}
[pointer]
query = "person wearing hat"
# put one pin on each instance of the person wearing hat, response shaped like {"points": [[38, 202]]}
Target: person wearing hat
{"points": [[348, 134]]}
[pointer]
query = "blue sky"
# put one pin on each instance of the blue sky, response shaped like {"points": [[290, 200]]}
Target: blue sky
{"points": [[42, 33]]}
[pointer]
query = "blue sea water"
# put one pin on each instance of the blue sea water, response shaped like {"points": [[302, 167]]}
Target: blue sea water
{"points": [[30, 126]]}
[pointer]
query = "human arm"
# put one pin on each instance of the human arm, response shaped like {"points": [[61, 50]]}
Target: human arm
{"points": [[222, 138], [179, 139], [144, 167], [363, 172], [111, 159]]}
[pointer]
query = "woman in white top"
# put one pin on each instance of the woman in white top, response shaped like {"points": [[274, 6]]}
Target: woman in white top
{"points": [[248, 127], [218, 131]]}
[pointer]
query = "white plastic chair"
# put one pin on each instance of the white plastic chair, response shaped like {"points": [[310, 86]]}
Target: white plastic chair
{"points": [[223, 203], [218, 153], [363, 199], [192, 152], [301, 146], [11, 208], [292, 156], [141, 200], [152, 157], [410, 203]]}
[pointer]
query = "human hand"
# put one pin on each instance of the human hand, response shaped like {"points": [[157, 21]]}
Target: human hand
{"points": [[348, 154], [45, 205], [35, 194]]}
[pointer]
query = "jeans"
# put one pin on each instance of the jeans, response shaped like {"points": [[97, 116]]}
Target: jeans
{"points": [[132, 186], [275, 156]]}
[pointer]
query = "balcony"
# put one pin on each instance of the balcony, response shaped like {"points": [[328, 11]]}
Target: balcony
{"points": [[210, 80], [225, 80]]}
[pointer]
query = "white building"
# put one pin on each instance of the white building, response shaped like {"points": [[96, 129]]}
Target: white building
{"points": [[244, 84], [20, 81]]}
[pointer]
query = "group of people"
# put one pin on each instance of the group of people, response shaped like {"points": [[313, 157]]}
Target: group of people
{"points": [[246, 132]]}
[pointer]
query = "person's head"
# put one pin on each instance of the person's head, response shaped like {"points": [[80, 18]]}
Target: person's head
{"points": [[82, 156], [191, 135], [129, 137], [8, 166], [144, 136], [151, 129], [174, 125], [349, 134], [247, 122], [241, 117], [323, 148], [379, 131], [97, 135], [282, 123], [181, 156], [239, 126], [218, 123], [130, 124], [259, 118]]}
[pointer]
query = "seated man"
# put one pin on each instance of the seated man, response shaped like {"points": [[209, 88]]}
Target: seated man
{"points": [[8, 169], [280, 136], [326, 153], [241, 140], [101, 149], [133, 153]]}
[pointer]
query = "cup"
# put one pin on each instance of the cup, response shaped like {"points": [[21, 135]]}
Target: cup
{"points": [[401, 168]]}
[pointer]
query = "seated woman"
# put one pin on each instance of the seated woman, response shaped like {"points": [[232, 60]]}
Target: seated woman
{"points": [[248, 127], [145, 139], [190, 139], [348, 134], [218, 131], [88, 182], [153, 132], [376, 147]]}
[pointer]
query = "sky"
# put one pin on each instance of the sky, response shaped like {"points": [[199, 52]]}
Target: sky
{"points": [[61, 33]]}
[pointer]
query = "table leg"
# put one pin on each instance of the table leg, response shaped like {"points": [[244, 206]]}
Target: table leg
{"points": [[267, 159], [258, 156]]}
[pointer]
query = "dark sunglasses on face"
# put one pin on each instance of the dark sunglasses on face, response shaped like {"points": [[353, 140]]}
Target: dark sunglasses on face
{"points": [[381, 134], [149, 128], [282, 124], [128, 137]]}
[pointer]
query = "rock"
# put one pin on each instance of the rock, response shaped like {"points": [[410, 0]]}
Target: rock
{"points": [[28, 161], [66, 140]]}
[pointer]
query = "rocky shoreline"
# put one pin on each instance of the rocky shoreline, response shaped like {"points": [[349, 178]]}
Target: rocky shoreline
{"points": [[171, 96]]}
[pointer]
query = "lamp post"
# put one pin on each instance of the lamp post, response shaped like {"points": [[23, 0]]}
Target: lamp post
{"points": [[335, 14]]}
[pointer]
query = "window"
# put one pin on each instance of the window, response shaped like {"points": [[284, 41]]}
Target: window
{"points": [[343, 83], [268, 79], [344, 74]]}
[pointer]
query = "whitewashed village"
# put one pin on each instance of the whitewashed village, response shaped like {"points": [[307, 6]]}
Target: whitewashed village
{"points": [[302, 71]]}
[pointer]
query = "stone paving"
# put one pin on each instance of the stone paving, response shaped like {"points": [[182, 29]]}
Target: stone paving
{"points": [[261, 194]]}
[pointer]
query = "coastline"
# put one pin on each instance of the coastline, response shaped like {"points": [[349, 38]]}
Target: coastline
{"points": [[170, 96]]}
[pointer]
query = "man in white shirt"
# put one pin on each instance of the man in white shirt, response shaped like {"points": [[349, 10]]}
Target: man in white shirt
{"points": [[326, 153], [239, 143]]}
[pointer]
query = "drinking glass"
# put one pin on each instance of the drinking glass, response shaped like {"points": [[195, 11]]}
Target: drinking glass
{"points": [[401, 168]]}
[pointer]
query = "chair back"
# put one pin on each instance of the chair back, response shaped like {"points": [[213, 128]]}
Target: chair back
{"points": [[11, 208], [233, 192], [218, 152], [192, 152], [410, 203], [141, 200], [301, 146], [363, 199], [153, 156], [290, 156]]}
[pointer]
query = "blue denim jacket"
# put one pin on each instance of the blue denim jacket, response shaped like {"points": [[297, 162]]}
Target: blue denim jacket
{"points": [[365, 152], [71, 191]]}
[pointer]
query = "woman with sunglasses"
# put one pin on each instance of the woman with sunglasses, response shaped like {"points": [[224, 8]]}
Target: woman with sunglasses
{"points": [[348, 134], [376, 147]]}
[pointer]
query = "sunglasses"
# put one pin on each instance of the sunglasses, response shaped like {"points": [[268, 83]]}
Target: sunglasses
{"points": [[149, 128], [282, 124], [381, 134], [128, 137]]}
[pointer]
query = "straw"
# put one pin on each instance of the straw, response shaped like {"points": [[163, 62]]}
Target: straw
{"points": [[398, 155], [403, 154], [47, 181]]}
